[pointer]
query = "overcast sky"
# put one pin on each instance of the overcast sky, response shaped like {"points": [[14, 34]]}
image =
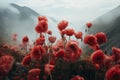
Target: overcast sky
{"points": [[75, 11]]}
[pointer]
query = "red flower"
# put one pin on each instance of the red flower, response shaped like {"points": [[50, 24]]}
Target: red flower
{"points": [[26, 60], [101, 37], [60, 54], [46, 48], [108, 61], [37, 52], [55, 48], [49, 32], [77, 78], [62, 25], [95, 47], [98, 57], [74, 56], [116, 53], [41, 27], [40, 18], [49, 68], [33, 74], [25, 39], [90, 40], [72, 46], [78, 35], [73, 52], [63, 32], [6, 63], [35, 71], [40, 41], [113, 73], [69, 31], [60, 43], [89, 24], [52, 39]]}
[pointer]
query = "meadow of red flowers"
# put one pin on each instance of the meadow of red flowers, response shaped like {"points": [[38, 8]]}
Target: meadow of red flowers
{"points": [[49, 58]]}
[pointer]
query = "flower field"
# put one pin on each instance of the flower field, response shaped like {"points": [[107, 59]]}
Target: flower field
{"points": [[50, 58]]}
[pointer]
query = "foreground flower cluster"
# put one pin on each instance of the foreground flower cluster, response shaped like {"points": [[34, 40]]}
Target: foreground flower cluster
{"points": [[49, 58]]}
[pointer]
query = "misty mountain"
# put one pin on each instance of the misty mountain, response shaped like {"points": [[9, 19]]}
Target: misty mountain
{"points": [[20, 20], [110, 24], [24, 11]]}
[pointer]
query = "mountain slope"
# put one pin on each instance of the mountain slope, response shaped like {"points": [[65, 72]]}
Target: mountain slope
{"points": [[21, 20], [110, 24]]}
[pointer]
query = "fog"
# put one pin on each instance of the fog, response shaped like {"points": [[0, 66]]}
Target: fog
{"points": [[22, 20]]}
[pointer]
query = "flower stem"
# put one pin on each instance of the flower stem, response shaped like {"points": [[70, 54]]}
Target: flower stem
{"points": [[49, 52]]}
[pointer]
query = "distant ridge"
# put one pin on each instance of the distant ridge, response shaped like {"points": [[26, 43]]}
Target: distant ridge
{"points": [[110, 24], [15, 19]]}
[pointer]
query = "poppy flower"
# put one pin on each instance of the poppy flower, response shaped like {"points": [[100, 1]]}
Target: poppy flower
{"points": [[48, 68], [40, 18], [74, 56], [6, 63], [52, 39], [25, 39], [90, 40], [49, 32], [108, 61], [60, 54], [33, 74], [101, 38], [26, 60], [62, 25], [73, 52], [77, 77], [59, 43], [40, 41], [42, 26], [55, 48], [95, 47], [116, 53], [69, 31], [72, 46], [63, 32], [34, 71], [37, 52], [98, 57], [78, 35], [89, 24], [46, 48], [113, 73]]}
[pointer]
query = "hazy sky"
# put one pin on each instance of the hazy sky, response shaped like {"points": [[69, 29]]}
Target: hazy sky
{"points": [[75, 11]]}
